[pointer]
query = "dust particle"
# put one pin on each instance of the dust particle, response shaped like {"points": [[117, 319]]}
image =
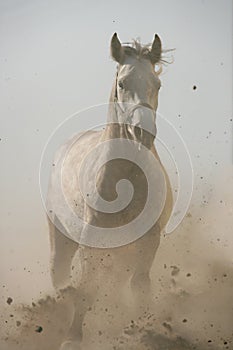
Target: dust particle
{"points": [[9, 300], [175, 270], [39, 329]]}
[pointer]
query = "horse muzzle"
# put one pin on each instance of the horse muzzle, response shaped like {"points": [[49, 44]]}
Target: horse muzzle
{"points": [[142, 124]]}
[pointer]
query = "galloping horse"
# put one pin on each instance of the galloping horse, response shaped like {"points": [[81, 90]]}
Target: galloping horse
{"points": [[132, 118]]}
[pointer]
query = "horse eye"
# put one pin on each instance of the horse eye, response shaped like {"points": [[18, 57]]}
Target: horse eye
{"points": [[120, 84]]}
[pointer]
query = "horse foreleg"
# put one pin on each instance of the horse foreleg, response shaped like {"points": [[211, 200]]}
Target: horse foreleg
{"points": [[140, 281], [83, 298], [63, 250]]}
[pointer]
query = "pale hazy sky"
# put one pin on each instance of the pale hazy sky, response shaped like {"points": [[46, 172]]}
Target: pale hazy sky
{"points": [[55, 61]]}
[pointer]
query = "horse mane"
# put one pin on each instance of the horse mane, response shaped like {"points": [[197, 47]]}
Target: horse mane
{"points": [[138, 50]]}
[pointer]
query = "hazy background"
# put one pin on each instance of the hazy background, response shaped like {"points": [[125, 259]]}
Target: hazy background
{"points": [[54, 58]]}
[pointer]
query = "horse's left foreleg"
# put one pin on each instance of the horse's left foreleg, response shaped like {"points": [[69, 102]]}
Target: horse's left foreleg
{"points": [[147, 247]]}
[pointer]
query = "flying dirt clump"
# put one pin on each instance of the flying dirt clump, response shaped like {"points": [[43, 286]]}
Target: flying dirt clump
{"points": [[147, 334]]}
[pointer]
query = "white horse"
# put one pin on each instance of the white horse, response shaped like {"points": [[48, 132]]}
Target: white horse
{"points": [[136, 85]]}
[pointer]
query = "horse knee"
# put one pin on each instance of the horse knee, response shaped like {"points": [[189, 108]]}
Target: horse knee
{"points": [[60, 273], [141, 281]]}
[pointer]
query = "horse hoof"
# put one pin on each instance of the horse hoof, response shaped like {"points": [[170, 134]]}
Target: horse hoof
{"points": [[70, 345]]}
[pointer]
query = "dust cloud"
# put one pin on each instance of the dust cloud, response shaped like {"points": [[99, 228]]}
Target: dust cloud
{"points": [[191, 305]]}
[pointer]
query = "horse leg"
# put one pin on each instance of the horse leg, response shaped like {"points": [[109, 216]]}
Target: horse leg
{"points": [[83, 303], [140, 281], [83, 299], [63, 250]]}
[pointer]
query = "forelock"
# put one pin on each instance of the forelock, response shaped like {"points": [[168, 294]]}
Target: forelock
{"points": [[137, 50]]}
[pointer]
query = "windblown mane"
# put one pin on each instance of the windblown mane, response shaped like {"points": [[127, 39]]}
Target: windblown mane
{"points": [[136, 49]]}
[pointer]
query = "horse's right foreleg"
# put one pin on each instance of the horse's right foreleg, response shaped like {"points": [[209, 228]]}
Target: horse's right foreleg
{"points": [[63, 250], [83, 298]]}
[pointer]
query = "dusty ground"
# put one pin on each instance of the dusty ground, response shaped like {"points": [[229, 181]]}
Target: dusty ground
{"points": [[191, 307]]}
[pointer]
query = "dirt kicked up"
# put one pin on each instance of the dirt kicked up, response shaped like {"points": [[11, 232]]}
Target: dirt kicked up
{"points": [[190, 306]]}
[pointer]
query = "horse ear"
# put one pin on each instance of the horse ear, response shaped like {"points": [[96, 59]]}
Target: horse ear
{"points": [[156, 50], [117, 51]]}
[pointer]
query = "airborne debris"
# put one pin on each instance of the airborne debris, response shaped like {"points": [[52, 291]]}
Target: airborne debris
{"points": [[9, 300], [175, 270], [39, 329]]}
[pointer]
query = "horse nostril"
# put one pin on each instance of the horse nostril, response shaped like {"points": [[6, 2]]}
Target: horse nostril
{"points": [[138, 133]]}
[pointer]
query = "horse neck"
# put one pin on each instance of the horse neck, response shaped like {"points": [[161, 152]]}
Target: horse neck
{"points": [[111, 173], [113, 128]]}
